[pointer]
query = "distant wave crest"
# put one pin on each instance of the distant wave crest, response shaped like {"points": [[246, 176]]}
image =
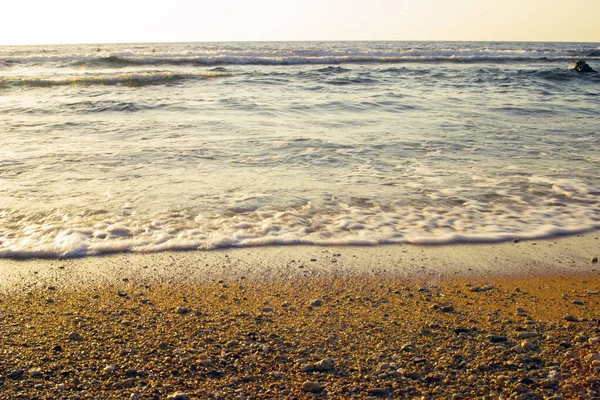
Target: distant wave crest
{"points": [[302, 57], [130, 79], [336, 58]]}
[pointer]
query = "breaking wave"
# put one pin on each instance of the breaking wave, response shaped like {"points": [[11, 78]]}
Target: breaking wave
{"points": [[301, 57], [129, 79]]}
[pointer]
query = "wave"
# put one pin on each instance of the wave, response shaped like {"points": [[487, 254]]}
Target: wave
{"points": [[86, 232], [302, 57], [594, 53], [76, 243], [333, 59], [130, 79]]}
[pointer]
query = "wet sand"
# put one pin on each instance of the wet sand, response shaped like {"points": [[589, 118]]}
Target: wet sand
{"points": [[511, 320]]}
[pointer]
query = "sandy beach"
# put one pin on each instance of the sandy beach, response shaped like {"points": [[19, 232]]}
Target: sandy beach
{"points": [[513, 320]]}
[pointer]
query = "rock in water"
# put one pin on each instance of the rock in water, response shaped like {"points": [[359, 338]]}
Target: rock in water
{"points": [[582, 66]]}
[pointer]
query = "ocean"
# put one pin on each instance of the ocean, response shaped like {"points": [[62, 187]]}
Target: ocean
{"points": [[153, 147]]}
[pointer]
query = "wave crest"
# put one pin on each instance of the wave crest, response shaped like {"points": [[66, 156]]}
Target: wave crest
{"points": [[130, 79]]}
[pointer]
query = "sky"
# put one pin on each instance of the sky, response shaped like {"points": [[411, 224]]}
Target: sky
{"points": [[126, 21]]}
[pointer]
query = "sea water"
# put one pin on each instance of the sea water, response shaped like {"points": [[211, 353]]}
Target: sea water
{"points": [[151, 147]]}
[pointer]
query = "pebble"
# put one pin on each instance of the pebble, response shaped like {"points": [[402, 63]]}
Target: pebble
{"points": [[35, 372], [408, 347], [521, 311], [326, 364], [307, 367], [316, 303], [205, 362], [128, 383], [312, 387], [594, 260], [497, 339], [571, 318], [377, 391], [518, 349], [527, 335], [528, 346], [384, 366], [178, 396], [15, 373], [578, 302], [548, 383], [109, 368], [182, 310], [567, 387], [75, 336]]}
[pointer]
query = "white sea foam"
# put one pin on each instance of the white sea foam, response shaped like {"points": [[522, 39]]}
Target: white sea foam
{"points": [[65, 235]]}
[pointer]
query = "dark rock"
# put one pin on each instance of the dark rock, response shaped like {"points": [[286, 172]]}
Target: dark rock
{"points": [[377, 391], [215, 374], [582, 66], [411, 375], [15, 374], [571, 318], [312, 387], [498, 339]]}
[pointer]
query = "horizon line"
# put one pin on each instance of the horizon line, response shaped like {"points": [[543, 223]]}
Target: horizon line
{"points": [[296, 41]]}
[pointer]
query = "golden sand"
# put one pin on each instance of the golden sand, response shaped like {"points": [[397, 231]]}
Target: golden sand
{"points": [[359, 336]]}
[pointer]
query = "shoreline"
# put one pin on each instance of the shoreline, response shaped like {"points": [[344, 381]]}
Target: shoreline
{"points": [[570, 254]]}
